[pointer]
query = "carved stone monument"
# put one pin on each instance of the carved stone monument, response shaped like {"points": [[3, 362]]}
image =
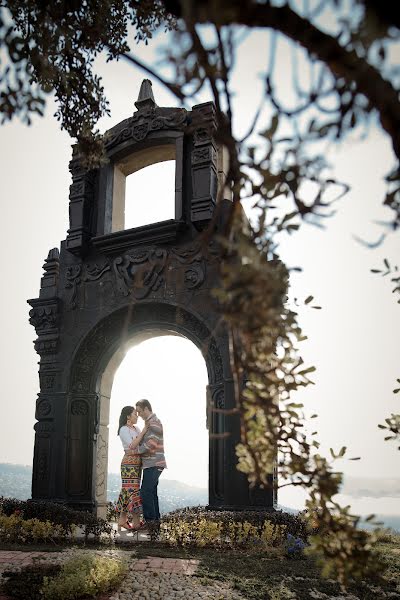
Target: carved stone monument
{"points": [[109, 288]]}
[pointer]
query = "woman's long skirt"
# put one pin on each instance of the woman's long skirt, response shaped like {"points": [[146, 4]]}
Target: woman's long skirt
{"points": [[129, 500]]}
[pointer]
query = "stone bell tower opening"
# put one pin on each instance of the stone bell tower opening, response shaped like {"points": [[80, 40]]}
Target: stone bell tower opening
{"points": [[108, 284], [150, 195]]}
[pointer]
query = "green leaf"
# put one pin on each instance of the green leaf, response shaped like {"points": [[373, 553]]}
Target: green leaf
{"points": [[308, 300], [342, 451], [369, 518], [309, 370]]}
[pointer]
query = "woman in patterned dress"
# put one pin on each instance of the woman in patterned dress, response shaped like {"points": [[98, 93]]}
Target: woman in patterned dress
{"points": [[129, 503]]}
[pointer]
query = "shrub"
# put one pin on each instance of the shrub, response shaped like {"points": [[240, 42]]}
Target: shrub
{"points": [[16, 529], [27, 584], [112, 513], [294, 546], [295, 524], [58, 514], [83, 576], [202, 528], [386, 535], [244, 528]]}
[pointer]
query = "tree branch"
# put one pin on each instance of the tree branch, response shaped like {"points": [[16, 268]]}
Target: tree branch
{"points": [[175, 89], [342, 62]]}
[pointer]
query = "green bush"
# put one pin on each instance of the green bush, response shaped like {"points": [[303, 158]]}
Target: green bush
{"points": [[112, 513], [296, 525], [386, 535], [57, 514], [15, 529], [27, 583], [203, 528], [83, 576]]}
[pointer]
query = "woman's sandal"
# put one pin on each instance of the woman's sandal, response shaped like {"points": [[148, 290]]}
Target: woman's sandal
{"points": [[126, 526]]}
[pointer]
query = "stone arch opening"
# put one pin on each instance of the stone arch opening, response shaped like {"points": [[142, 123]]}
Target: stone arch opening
{"points": [[170, 372]]}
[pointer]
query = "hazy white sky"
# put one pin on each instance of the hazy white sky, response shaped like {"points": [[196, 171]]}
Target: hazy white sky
{"points": [[352, 340]]}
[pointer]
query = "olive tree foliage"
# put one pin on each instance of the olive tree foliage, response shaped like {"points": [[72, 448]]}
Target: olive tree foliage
{"points": [[50, 48], [343, 76]]}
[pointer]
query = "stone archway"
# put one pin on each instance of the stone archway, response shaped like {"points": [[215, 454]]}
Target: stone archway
{"points": [[92, 374], [108, 285]]}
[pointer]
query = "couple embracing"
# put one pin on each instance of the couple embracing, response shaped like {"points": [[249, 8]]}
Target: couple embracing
{"points": [[144, 452]]}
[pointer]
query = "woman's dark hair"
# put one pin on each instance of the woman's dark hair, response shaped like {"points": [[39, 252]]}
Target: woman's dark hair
{"points": [[125, 412], [144, 404]]}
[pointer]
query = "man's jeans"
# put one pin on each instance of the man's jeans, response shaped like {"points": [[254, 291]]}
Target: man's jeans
{"points": [[148, 492]]}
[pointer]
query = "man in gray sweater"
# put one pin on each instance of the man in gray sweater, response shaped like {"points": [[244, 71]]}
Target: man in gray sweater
{"points": [[151, 450]]}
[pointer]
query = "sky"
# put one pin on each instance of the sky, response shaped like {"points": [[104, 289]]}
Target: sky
{"points": [[353, 340]]}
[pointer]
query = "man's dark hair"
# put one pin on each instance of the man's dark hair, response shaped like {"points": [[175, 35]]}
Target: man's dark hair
{"points": [[144, 404]]}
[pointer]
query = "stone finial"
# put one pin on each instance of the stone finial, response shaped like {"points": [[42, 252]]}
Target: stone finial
{"points": [[146, 97], [51, 267], [54, 254]]}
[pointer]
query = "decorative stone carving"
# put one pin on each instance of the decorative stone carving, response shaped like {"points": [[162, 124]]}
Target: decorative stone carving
{"points": [[44, 317], [44, 428], [204, 155], [47, 381], [194, 277], [94, 272], [204, 164], [218, 397], [49, 282], [215, 359], [132, 278], [101, 467], [73, 277], [42, 467], [47, 345], [43, 408], [79, 407], [138, 127], [143, 271], [81, 195], [108, 331]]}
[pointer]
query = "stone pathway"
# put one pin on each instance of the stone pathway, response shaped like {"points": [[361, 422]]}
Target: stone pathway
{"points": [[149, 578]]}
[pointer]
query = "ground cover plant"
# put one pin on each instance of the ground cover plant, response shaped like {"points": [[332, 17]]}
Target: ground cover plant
{"points": [[79, 577], [271, 575]]}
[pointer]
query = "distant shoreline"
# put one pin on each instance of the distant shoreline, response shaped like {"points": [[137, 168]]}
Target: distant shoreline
{"points": [[15, 482]]}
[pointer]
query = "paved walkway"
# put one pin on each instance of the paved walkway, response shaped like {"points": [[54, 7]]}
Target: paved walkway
{"points": [[19, 559], [150, 578]]}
